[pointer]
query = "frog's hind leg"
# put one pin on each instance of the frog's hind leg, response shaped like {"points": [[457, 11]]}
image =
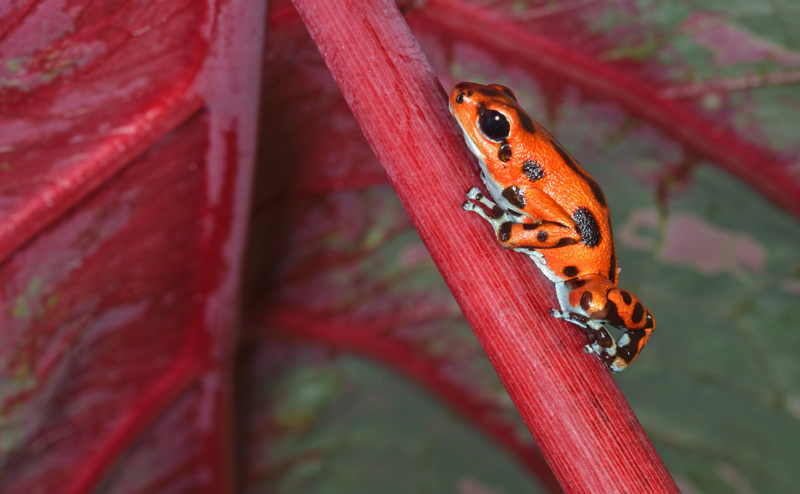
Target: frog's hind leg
{"points": [[603, 302], [625, 311], [601, 342]]}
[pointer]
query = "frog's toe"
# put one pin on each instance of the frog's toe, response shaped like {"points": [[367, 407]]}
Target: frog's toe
{"points": [[474, 194]]}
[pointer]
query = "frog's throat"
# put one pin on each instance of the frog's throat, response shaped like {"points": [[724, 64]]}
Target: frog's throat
{"points": [[494, 189]]}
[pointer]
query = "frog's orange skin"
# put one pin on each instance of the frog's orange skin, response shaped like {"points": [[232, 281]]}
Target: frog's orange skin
{"points": [[549, 207]]}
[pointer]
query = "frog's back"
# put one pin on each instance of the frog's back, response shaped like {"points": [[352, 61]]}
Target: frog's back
{"points": [[579, 193]]}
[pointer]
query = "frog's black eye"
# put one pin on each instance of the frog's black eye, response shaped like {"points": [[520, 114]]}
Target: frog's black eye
{"points": [[494, 125]]}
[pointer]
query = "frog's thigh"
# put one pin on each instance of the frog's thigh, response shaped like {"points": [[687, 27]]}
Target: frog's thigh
{"points": [[536, 236], [539, 205]]}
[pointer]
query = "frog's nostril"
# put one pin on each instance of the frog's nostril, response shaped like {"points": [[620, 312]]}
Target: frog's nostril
{"points": [[460, 98]]}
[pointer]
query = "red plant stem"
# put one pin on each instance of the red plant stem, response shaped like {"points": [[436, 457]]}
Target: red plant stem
{"points": [[578, 416], [296, 324], [757, 167]]}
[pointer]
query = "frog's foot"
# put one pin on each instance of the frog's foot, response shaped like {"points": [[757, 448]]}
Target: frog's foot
{"points": [[600, 341], [475, 194], [498, 221]]}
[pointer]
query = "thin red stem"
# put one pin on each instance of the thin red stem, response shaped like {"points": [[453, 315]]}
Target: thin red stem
{"points": [[578, 416]]}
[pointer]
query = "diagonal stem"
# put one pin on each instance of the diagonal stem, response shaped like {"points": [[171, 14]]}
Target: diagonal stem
{"points": [[573, 408]]}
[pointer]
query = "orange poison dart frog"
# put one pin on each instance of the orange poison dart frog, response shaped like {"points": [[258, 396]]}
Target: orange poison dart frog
{"points": [[547, 206]]}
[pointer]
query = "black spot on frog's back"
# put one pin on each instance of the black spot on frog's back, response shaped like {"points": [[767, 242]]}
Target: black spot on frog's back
{"points": [[533, 170], [587, 227]]}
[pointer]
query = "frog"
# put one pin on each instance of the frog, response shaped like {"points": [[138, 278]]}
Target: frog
{"points": [[546, 205]]}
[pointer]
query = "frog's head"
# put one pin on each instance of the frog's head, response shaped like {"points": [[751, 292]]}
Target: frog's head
{"points": [[491, 119]]}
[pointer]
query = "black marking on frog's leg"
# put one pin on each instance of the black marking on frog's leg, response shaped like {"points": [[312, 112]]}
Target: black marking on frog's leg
{"points": [[587, 227], [576, 283], [475, 194], [627, 348], [565, 242], [626, 297], [571, 272], [603, 345], [515, 196], [573, 317], [529, 226], [612, 315], [471, 206], [638, 313], [533, 170], [504, 232], [511, 212], [504, 154], [630, 344], [541, 236], [600, 338], [601, 342], [500, 223]]}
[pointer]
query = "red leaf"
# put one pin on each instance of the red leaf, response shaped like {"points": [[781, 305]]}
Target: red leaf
{"points": [[127, 147]]}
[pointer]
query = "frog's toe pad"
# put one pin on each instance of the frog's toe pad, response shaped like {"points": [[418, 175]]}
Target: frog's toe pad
{"points": [[475, 194]]}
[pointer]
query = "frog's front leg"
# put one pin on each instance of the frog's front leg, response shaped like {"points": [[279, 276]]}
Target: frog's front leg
{"points": [[515, 231], [497, 222]]}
